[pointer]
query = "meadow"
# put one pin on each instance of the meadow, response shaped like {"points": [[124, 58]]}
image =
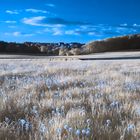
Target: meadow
{"points": [[69, 100]]}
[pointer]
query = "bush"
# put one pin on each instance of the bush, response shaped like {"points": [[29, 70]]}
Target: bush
{"points": [[130, 42]]}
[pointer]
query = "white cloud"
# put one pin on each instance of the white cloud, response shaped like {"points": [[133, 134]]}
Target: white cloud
{"points": [[125, 24], [46, 30], [57, 31], [71, 32], [36, 11], [34, 21], [92, 33], [38, 21], [50, 5], [10, 21], [12, 12], [18, 34], [28, 35], [12, 27], [136, 25], [52, 30]]}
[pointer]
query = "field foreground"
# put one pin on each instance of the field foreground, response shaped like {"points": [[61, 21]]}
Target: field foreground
{"points": [[69, 100]]}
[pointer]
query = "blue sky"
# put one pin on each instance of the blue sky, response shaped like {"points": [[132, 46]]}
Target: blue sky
{"points": [[67, 20]]}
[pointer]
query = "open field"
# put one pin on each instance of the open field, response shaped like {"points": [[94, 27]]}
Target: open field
{"points": [[96, 56], [69, 100]]}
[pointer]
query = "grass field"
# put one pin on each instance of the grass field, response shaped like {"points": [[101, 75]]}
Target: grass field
{"points": [[69, 100]]}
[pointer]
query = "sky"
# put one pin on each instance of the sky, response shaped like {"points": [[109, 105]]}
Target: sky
{"points": [[67, 20]]}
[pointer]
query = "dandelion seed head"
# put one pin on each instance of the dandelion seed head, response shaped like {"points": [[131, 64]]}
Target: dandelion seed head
{"points": [[83, 131], [22, 122], [108, 122], [7, 120], [87, 132], [130, 128], [88, 121], [78, 132], [66, 126], [42, 128], [70, 129], [59, 131]]}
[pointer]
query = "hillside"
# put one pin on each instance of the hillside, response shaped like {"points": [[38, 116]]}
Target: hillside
{"points": [[37, 48], [123, 43], [130, 42]]}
